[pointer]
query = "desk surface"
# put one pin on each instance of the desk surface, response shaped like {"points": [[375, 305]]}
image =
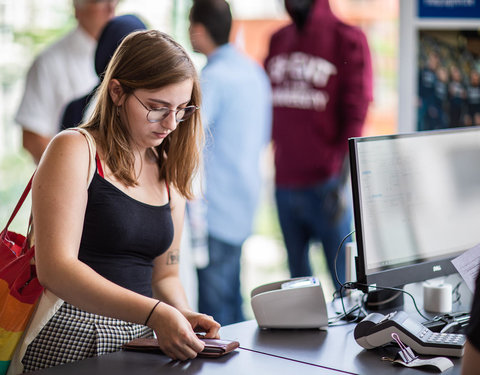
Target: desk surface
{"points": [[285, 352], [335, 348], [239, 362]]}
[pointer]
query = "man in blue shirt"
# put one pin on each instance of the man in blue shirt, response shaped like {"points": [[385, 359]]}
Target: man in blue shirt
{"points": [[237, 116]]}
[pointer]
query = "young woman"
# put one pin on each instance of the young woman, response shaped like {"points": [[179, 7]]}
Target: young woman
{"points": [[109, 246]]}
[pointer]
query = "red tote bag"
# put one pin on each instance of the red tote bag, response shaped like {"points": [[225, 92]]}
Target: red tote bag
{"points": [[19, 286]]}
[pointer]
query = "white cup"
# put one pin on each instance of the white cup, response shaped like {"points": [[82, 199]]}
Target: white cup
{"points": [[437, 298]]}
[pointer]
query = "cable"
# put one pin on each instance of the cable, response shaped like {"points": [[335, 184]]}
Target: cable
{"points": [[398, 290], [335, 319], [359, 307], [336, 257], [355, 285], [385, 301], [456, 293], [347, 285], [351, 285]]}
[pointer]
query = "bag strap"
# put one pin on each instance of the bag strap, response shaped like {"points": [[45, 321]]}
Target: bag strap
{"points": [[93, 151], [20, 202]]}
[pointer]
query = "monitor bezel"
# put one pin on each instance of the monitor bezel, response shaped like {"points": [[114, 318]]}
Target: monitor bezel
{"points": [[401, 275]]}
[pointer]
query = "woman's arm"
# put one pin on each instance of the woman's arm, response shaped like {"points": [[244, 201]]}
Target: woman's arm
{"points": [[166, 283]]}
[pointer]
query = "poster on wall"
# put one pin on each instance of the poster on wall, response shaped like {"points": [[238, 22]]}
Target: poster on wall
{"points": [[448, 64], [449, 79]]}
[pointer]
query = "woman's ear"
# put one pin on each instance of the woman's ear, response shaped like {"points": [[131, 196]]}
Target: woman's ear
{"points": [[116, 92]]}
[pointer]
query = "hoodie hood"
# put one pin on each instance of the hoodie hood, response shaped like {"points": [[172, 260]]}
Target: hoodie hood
{"points": [[111, 37], [299, 11], [320, 11]]}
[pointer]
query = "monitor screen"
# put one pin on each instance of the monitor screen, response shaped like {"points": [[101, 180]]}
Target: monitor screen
{"points": [[416, 203]]}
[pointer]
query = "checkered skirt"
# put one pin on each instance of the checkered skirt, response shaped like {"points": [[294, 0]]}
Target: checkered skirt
{"points": [[72, 334]]}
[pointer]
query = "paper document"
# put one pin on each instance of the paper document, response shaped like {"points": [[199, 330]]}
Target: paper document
{"points": [[467, 266]]}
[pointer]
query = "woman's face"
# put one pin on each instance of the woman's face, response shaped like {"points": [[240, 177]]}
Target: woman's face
{"points": [[146, 134]]}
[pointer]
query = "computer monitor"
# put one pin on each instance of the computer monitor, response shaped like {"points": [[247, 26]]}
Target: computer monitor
{"points": [[416, 203]]}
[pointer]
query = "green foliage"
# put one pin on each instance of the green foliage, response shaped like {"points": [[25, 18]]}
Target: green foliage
{"points": [[15, 172], [36, 39]]}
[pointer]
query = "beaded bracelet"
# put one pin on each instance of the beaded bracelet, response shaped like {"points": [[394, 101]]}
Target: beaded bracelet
{"points": [[151, 312]]}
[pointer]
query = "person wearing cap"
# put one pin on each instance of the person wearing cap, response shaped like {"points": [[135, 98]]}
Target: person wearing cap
{"points": [[112, 34], [62, 72]]}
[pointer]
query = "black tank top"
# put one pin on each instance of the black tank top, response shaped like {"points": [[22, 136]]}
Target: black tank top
{"points": [[121, 236]]}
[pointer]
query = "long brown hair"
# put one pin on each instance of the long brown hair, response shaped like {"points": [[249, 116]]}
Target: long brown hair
{"points": [[149, 60]]}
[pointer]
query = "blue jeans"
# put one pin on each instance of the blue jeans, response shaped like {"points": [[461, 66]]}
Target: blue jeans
{"points": [[219, 283], [314, 214]]}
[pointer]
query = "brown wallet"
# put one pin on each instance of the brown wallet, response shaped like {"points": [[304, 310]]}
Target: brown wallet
{"points": [[213, 347]]}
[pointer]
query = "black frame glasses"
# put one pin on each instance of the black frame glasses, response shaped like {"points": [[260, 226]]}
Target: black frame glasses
{"points": [[159, 114]]}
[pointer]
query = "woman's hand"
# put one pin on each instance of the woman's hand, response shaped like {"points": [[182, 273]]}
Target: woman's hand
{"points": [[202, 323], [175, 334]]}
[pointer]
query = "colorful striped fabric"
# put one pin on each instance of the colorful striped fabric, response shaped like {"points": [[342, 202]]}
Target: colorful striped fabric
{"points": [[19, 288], [19, 291]]}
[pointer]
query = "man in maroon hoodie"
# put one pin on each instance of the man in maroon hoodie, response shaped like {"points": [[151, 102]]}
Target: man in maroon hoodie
{"points": [[321, 77]]}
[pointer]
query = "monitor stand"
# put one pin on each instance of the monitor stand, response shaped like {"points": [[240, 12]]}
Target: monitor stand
{"points": [[384, 299]]}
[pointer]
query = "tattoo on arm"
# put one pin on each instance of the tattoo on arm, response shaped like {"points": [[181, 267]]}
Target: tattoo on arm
{"points": [[173, 257]]}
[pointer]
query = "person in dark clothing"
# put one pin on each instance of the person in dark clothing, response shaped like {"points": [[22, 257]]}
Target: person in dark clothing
{"points": [[438, 108], [473, 99], [112, 35], [456, 94], [321, 77], [426, 91]]}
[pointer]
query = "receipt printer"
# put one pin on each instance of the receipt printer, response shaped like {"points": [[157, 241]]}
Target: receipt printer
{"points": [[293, 303]]}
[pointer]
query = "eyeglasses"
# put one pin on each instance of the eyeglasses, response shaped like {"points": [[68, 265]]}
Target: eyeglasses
{"points": [[160, 114]]}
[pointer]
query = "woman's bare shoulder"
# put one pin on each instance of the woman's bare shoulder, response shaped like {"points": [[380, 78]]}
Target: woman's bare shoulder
{"points": [[67, 155], [66, 145]]}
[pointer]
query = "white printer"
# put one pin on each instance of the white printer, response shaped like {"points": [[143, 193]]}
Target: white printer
{"points": [[292, 303]]}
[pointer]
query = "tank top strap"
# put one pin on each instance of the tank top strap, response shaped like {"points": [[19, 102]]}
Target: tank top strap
{"points": [[99, 165]]}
